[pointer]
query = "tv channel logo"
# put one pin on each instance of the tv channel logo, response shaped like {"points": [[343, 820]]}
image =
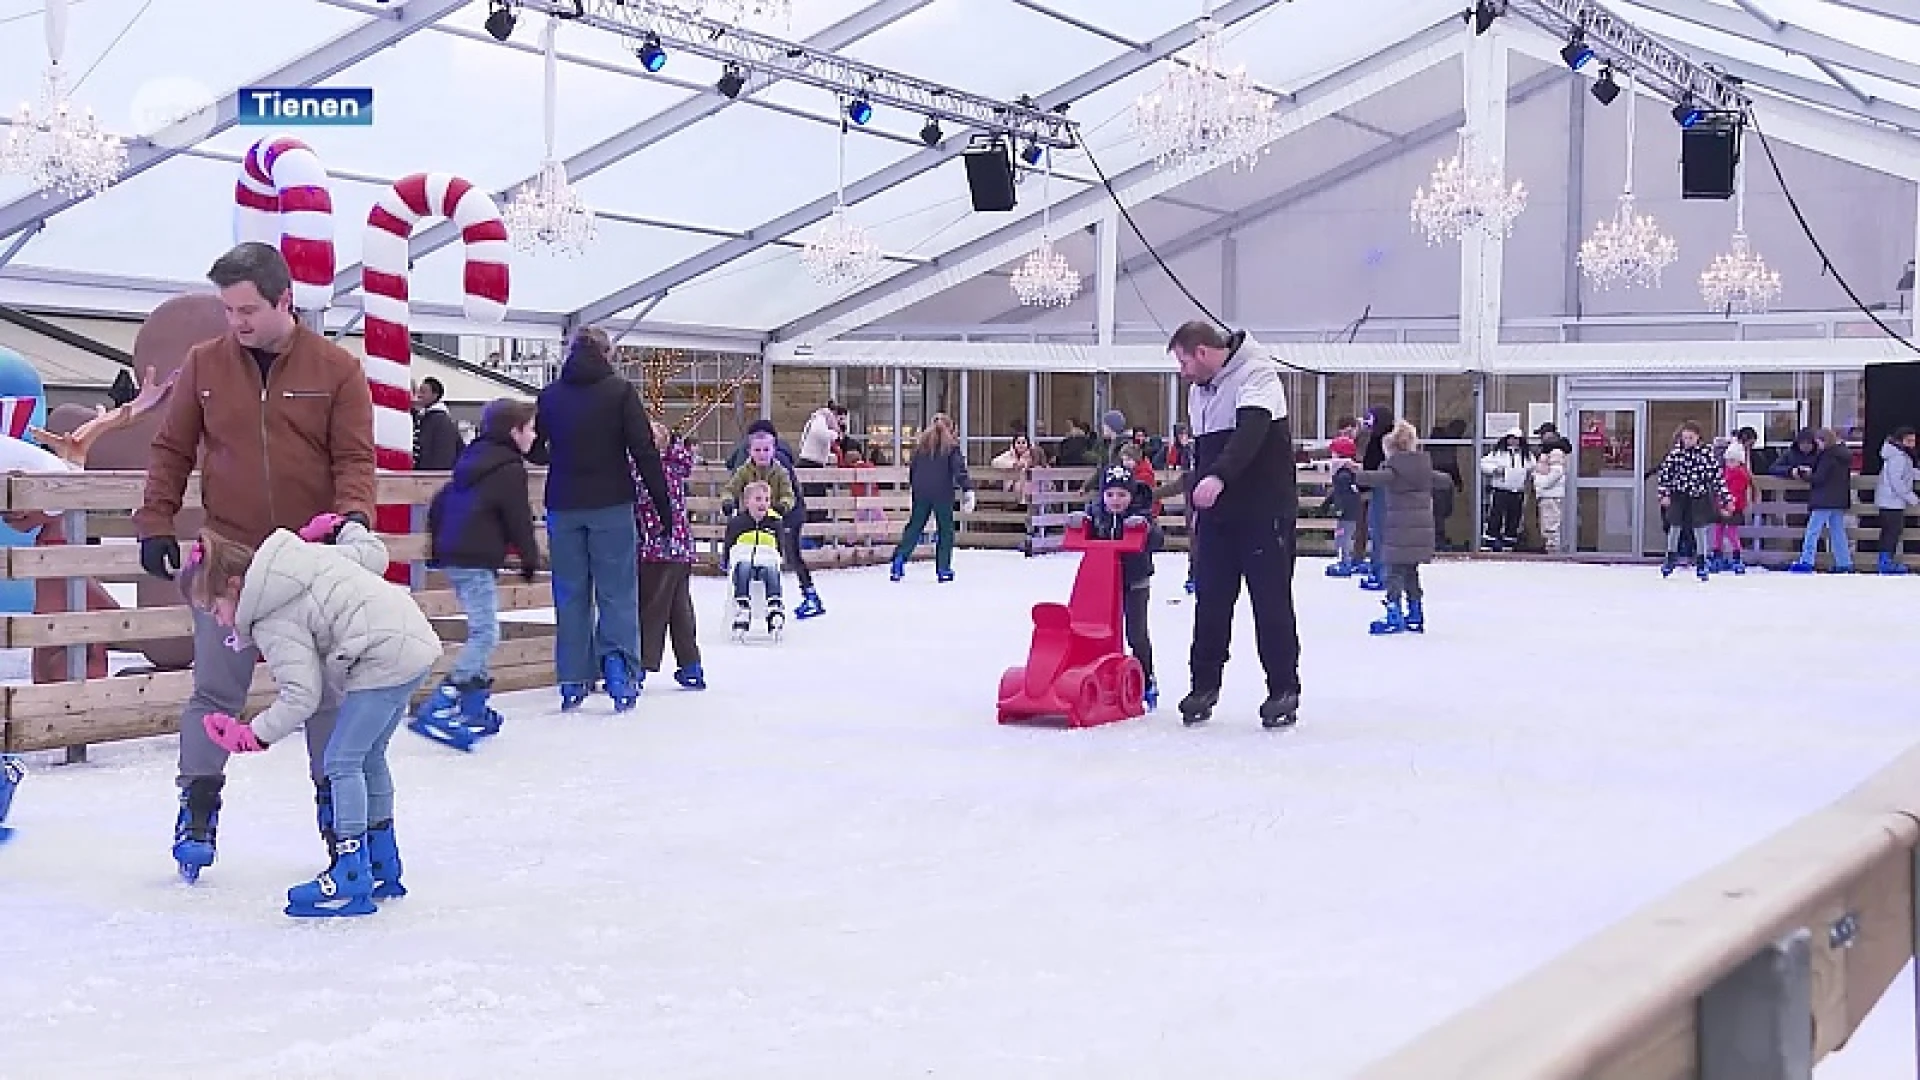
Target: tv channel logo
{"points": [[305, 106]]}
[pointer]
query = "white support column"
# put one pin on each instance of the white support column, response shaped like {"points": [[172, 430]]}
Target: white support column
{"points": [[1230, 278], [1481, 255], [1107, 283]]}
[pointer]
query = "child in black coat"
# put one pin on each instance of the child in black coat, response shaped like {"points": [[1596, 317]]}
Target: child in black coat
{"points": [[474, 521], [1122, 500]]}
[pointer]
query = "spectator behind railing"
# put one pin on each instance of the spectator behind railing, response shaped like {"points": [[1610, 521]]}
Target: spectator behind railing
{"points": [[1024, 456]]}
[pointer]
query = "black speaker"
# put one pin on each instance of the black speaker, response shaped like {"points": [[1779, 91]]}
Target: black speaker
{"points": [[1893, 400], [990, 173], [1709, 156]]}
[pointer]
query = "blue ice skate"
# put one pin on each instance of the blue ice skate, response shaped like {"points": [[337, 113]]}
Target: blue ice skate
{"points": [[1152, 696], [383, 861], [1668, 566], [1888, 565], [196, 828], [1416, 620], [475, 713], [573, 695], [439, 719], [621, 686], [1189, 584], [11, 773], [1341, 569], [943, 576], [810, 606], [1700, 569], [692, 677], [1393, 623], [1371, 582], [899, 569], [342, 889]]}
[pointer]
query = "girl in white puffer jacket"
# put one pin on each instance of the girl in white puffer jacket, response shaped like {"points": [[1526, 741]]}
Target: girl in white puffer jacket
{"points": [[1506, 468], [1550, 495], [321, 614]]}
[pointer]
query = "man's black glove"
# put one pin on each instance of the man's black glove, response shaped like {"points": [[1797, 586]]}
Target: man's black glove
{"points": [[160, 556], [355, 515], [528, 572], [727, 508]]}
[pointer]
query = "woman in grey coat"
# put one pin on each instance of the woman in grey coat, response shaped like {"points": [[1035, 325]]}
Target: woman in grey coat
{"points": [[1403, 486], [1893, 496]]}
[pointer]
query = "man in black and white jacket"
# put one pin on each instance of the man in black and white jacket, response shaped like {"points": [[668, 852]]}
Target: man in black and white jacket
{"points": [[1247, 500]]}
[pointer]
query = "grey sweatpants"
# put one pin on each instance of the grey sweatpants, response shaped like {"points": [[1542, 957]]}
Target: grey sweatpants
{"points": [[221, 677]]}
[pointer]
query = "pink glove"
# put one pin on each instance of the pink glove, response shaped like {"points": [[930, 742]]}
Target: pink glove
{"points": [[231, 735], [321, 528]]}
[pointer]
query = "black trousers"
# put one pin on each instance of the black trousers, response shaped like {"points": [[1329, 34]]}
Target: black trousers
{"points": [[812, 491], [791, 553], [1259, 553], [1138, 603], [666, 612], [1892, 524], [1505, 516]]}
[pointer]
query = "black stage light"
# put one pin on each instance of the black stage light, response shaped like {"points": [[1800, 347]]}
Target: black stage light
{"points": [[1687, 114], [931, 134], [860, 110], [500, 21], [1033, 154], [652, 56], [1484, 13], [1578, 53], [1605, 89], [732, 81]]}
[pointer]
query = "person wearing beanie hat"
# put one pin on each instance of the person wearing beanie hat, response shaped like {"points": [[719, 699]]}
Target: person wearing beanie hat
{"points": [[1737, 478], [1121, 502], [1105, 452], [1347, 503]]}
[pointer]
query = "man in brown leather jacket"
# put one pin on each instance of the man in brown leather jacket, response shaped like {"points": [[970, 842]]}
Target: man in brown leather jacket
{"points": [[280, 423]]}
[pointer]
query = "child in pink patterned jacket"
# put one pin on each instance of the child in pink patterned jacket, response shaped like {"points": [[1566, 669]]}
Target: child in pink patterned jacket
{"points": [[666, 571]]}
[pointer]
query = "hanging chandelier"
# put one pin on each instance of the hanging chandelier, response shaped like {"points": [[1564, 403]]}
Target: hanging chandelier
{"points": [[59, 146], [1203, 115], [841, 254], [1629, 250], [1739, 281], [1466, 195], [546, 214], [1045, 279]]}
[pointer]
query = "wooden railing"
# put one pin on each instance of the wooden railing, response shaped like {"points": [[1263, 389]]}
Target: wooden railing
{"points": [[1780, 521], [1755, 970]]}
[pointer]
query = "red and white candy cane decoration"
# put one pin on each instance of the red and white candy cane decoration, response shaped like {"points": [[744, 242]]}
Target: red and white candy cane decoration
{"points": [[282, 199], [383, 254]]}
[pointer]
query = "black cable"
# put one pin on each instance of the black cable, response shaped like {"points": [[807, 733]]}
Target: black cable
{"points": [[1168, 270], [1825, 262]]}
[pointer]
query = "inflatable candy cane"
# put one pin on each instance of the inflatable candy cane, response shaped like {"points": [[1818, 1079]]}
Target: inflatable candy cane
{"points": [[389, 351], [282, 199]]}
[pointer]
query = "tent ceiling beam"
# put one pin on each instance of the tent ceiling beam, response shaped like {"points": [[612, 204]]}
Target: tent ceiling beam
{"points": [[307, 69], [662, 125], [1755, 25], [900, 172], [1897, 10], [1343, 89], [1253, 213]]}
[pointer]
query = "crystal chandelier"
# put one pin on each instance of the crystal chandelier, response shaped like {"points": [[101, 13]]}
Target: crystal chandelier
{"points": [[842, 254], [1629, 250], [1203, 115], [1045, 279], [60, 147], [1739, 281], [1467, 195], [546, 214]]}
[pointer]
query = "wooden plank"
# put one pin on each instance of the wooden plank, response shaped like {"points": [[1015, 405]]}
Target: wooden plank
{"points": [[136, 706], [1882, 902], [1669, 1050], [122, 490]]}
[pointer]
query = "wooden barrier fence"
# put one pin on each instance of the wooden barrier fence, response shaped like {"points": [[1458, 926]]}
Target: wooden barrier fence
{"points": [[857, 515], [1755, 970]]}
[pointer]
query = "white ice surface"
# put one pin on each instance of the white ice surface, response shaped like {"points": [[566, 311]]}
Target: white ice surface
{"points": [[834, 863]]}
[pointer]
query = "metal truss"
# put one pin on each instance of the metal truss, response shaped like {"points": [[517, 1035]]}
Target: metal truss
{"points": [[760, 55], [1628, 48]]}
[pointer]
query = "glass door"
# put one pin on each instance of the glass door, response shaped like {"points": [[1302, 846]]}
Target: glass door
{"points": [[1664, 416], [1606, 506]]}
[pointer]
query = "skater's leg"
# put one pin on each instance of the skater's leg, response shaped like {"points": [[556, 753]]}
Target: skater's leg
{"points": [[1267, 562], [221, 677], [1216, 580], [790, 549], [910, 536], [682, 625], [1139, 643], [1551, 516], [572, 596], [943, 533], [1892, 524], [742, 575], [656, 611], [770, 577], [1410, 582], [1396, 584], [1837, 535], [479, 594], [379, 778], [1376, 535], [612, 538], [365, 717]]}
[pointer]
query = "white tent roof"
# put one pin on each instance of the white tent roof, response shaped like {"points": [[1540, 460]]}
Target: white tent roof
{"points": [[702, 218]]}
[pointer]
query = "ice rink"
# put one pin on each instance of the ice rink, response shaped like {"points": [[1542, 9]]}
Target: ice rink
{"points": [[835, 864]]}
